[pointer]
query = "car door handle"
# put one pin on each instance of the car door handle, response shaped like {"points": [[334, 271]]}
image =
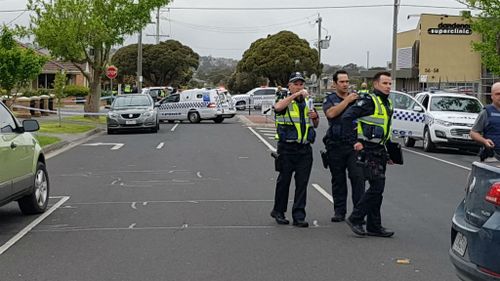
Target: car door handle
{"points": [[13, 145]]}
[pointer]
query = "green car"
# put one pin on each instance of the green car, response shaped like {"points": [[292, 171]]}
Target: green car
{"points": [[23, 175]]}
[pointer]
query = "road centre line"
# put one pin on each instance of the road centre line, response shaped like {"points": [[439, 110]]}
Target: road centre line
{"points": [[323, 192], [262, 139], [437, 159], [160, 145], [34, 223], [173, 128]]}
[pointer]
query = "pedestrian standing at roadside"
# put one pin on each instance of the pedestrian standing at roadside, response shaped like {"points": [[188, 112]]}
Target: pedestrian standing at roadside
{"points": [[296, 119], [486, 129], [341, 154], [363, 89], [373, 114]]}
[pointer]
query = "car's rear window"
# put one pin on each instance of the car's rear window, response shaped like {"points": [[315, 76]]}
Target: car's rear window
{"points": [[458, 104]]}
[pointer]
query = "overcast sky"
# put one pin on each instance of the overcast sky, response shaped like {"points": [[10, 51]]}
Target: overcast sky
{"points": [[228, 32]]}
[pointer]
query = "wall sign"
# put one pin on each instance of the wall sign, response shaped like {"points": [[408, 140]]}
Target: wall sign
{"points": [[450, 29]]}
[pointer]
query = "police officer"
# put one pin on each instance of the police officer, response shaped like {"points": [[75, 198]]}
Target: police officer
{"points": [[341, 155], [364, 89], [373, 114], [295, 123], [486, 129]]}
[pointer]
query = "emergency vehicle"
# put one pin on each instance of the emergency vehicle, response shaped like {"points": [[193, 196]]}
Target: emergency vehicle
{"points": [[195, 105], [255, 97], [436, 118]]}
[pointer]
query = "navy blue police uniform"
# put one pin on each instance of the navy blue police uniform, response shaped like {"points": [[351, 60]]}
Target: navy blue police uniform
{"points": [[375, 162], [341, 156]]}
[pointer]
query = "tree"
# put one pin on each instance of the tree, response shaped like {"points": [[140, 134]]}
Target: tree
{"points": [[242, 82], [83, 31], [18, 65], [487, 23], [276, 56], [166, 63]]}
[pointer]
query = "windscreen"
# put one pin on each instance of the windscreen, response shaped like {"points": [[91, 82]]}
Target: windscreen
{"points": [[458, 104], [132, 101]]}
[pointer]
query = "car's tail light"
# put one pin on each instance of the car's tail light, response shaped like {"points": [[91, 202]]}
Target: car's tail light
{"points": [[493, 195], [211, 105], [489, 272]]}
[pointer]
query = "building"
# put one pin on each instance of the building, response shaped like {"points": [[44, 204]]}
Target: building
{"points": [[438, 54]]}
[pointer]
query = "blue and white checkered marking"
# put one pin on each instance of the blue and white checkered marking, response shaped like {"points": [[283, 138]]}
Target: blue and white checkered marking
{"points": [[177, 105], [409, 116]]}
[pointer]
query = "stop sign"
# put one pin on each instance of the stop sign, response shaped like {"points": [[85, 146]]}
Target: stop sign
{"points": [[111, 72]]}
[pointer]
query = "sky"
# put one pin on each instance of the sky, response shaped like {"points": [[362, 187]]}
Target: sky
{"points": [[226, 28]]}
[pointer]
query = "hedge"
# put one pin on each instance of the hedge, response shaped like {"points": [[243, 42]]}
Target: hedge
{"points": [[76, 91]]}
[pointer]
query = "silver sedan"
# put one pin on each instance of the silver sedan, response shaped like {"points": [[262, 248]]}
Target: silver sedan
{"points": [[132, 111]]}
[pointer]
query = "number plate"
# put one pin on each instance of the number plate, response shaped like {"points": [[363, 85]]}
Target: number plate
{"points": [[466, 136], [130, 122], [460, 244]]}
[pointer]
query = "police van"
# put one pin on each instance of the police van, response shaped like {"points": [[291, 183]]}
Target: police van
{"points": [[255, 97], [436, 118], [194, 105]]}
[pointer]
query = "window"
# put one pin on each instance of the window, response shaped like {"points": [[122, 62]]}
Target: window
{"points": [[401, 101], [131, 101], [171, 98], [458, 104], [7, 122]]}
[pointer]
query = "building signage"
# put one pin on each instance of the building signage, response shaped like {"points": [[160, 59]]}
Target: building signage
{"points": [[450, 29]]}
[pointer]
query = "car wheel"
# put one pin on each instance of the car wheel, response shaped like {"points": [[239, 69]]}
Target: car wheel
{"points": [[194, 117], [409, 142], [36, 202], [429, 146], [241, 105], [219, 119]]}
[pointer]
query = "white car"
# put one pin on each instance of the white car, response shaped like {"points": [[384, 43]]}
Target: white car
{"points": [[157, 93], [255, 97], [437, 118], [194, 105]]}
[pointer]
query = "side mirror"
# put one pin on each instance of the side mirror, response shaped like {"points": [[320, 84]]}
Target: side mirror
{"points": [[107, 106], [418, 108], [157, 104], [31, 125]]}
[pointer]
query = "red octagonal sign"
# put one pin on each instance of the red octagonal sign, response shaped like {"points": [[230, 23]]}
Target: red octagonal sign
{"points": [[112, 72]]}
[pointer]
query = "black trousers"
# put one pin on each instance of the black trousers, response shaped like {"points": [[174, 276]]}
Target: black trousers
{"points": [[342, 157], [296, 160], [371, 201]]}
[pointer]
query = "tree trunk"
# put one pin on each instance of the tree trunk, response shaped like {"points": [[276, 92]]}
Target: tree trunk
{"points": [[93, 101]]}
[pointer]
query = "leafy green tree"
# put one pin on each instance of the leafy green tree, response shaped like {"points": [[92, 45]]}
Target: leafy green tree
{"points": [[83, 31], [276, 56], [166, 63], [18, 65], [487, 23], [242, 82]]}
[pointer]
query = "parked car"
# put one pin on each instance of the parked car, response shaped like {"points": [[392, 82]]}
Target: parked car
{"points": [[23, 173], [255, 97], [194, 105], [475, 231], [437, 118], [132, 112]]}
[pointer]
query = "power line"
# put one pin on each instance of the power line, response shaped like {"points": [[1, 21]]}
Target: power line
{"points": [[310, 8], [14, 11]]}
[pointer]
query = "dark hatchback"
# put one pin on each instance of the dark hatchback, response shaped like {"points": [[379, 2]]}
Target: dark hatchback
{"points": [[475, 232]]}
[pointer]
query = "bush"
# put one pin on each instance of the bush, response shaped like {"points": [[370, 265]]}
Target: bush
{"points": [[46, 92], [29, 93], [76, 91]]}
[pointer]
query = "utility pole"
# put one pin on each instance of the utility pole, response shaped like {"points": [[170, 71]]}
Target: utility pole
{"points": [[139, 62], [158, 26], [319, 53], [367, 60], [394, 43]]}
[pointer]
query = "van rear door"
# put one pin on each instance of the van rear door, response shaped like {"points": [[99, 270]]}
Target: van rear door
{"points": [[408, 117]]}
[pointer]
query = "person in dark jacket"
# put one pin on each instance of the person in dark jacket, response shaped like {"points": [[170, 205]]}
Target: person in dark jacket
{"points": [[296, 119], [486, 129], [374, 115], [341, 154]]}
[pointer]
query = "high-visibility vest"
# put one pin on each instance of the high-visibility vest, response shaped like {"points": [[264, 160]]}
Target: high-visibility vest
{"points": [[292, 118], [364, 91], [376, 128]]}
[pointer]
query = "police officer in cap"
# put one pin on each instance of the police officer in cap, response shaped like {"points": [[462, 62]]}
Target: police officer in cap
{"points": [[373, 114], [296, 119], [486, 129], [341, 154]]}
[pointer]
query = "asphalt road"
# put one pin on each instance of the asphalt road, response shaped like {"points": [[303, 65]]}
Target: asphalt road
{"points": [[192, 203]]}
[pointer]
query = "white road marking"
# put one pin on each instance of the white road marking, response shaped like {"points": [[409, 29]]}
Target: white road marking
{"points": [[173, 128], [178, 171], [269, 135], [133, 205], [131, 226], [116, 146], [263, 128], [160, 145], [199, 175], [178, 201], [242, 157], [71, 145], [30, 226], [323, 192], [437, 159], [144, 203], [262, 139], [114, 182]]}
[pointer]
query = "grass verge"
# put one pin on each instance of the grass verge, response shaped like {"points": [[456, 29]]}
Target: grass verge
{"points": [[46, 140], [80, 118], [65, 128]]}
